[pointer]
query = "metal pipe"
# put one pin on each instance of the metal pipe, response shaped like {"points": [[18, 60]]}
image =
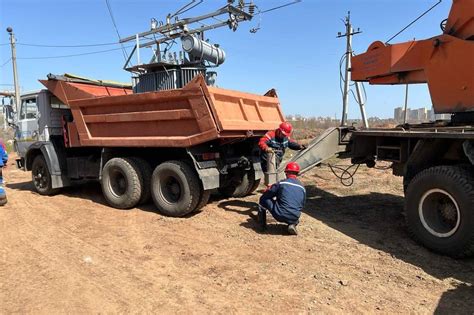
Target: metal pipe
{"points": [[405, 119], [138, 49], [362, 105]]}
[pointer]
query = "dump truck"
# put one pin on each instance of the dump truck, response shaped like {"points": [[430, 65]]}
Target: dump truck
{"points": [[436, 160], [175, 146]]}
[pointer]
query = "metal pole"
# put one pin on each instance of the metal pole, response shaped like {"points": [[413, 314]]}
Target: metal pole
{"points": [[138, 49], [405, 119], [347, 78], [15, 73], [362, 105]]}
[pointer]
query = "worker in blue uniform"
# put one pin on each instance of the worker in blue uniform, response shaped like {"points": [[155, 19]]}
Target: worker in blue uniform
{"points": [[3, 163], [284, 200]]}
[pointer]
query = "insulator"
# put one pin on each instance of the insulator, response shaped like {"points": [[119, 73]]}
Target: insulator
{"points": [[252, 8]]}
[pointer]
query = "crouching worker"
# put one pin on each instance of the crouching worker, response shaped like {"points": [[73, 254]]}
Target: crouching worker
{"points": [[3, 163], [284, 200]]}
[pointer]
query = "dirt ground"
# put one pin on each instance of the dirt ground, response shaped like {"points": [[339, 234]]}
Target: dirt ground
{"points": [[72, 253]]}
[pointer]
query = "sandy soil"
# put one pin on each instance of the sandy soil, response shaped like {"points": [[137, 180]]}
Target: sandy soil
{"points": [[72, 253]]}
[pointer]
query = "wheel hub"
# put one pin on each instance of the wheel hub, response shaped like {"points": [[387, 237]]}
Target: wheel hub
{"points": [[117, 183], [439, 213]]}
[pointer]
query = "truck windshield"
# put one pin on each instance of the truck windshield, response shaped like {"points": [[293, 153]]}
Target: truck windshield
{"points": [[28, 109]]}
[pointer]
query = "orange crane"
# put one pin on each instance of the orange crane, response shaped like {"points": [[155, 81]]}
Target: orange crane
{"points": [[444, 62], [435, 159]]}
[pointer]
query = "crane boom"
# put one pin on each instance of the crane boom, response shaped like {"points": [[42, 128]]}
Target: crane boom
{"points": [[444, 62]]}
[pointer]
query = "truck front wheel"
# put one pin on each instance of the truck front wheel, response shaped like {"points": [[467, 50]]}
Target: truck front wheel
{"points": [[175, 188], [41, 177], [439, 207], [122, 183]]}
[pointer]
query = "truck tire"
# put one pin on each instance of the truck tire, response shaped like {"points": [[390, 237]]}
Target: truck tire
{"points": [[122, 183], [254, 187], [239, 186], [439, 205], [146, 171], [175, 188], [205, 195], [41, 177]]}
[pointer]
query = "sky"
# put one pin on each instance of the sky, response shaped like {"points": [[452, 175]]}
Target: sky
{"points": [[295, 51]]}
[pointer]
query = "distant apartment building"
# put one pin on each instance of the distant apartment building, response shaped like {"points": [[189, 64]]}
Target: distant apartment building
{"points": [[413, 115], [399, 114]]}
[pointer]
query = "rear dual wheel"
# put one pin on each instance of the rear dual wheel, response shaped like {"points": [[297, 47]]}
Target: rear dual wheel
{"points": [[176, 189], [241, 185], [122, 183]]}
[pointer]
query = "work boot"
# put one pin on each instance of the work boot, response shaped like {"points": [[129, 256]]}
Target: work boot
{"points": [[262, 219], [292, 229]]}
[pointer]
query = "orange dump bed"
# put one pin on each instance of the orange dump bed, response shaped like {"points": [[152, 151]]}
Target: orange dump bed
{"points": [[111, 116]]}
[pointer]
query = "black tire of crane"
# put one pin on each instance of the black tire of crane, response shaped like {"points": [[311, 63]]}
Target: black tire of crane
{"points": [[122, 183], [41, 177], [146, 171], [178, 176], [239, 187], [457, 184]]}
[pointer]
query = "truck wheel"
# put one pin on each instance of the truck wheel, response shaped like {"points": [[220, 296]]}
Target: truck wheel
{"points": [[205, 195], [122, 183], [239, 186], [439, 208], [254, 187], [175, 188], [145, 171], [41, 177]]}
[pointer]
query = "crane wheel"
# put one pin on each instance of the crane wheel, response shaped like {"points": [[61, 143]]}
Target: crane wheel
{"points": [[439, 205]]}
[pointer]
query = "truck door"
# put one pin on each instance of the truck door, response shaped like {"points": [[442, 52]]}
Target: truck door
{"points": [[27, 132]]}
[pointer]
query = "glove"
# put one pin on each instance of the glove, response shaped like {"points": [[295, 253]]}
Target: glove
{"points": [[269, 150]]}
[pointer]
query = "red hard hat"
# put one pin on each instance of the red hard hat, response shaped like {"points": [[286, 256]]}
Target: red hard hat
{"points": [[285, 128], [292, 167]]}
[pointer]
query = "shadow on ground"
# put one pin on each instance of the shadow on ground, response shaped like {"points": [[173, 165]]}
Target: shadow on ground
{"points": [[249, 209], [377, 220]]}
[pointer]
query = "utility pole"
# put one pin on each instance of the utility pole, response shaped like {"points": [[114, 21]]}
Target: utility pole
{"points": [[15, 73], [347, 75]]}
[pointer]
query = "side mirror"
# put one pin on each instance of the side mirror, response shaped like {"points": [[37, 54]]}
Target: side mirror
{"points": [[9, 113]]}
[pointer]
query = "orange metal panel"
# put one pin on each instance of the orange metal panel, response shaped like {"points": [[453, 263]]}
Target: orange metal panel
{"points": [[174, 118], [243, 111], [461, 20]]}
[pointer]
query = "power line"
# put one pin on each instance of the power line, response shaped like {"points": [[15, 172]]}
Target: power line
{"points": [[414, 21], [74, 55], [5, 63], [68, 46], [116, 28]]}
